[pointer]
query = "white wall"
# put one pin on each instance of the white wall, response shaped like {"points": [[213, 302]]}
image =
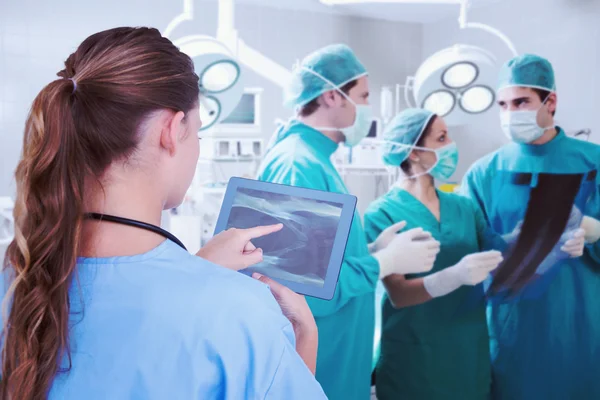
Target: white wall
{"points": [[36, 36], [567, 32], [390, 51]]}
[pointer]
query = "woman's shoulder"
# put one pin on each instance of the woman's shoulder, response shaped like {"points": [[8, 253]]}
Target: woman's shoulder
{"points": [[176, 286], [224, 306], [221, 288], [184, 314]]}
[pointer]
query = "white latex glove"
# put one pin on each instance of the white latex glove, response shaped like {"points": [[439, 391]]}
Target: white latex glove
{"points": [[512, 236], [574, 246], [408, 252], [386, 237], [471, 270], [591, 226]]}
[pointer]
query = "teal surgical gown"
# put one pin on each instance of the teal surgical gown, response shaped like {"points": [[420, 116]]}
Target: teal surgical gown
{"points": [[170, 325], [438, 350], [546, 347], [300, 156]]}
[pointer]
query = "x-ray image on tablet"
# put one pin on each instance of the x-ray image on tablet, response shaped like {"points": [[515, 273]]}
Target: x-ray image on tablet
{"points": [[300, 252], [300, 255]]}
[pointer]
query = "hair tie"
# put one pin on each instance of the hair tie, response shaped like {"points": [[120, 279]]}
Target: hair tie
{"points": [[74, 85]]}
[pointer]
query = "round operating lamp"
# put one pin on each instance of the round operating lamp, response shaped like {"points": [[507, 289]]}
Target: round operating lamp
{"points": [[220, 76], [456, 83], [441, 101], [460, 75], [476, 99]]}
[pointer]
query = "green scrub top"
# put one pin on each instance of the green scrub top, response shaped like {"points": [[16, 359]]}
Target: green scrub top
{"points": [[300, 156], [439, 349], [547, 347]]}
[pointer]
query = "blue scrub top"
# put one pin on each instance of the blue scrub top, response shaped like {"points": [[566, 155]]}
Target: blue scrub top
{"points": [[169, 325], [546, 347], [301, 156]]}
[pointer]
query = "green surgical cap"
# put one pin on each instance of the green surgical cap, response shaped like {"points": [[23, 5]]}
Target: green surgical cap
{"points": [[336, 63], [405, 129], [527, 70]]}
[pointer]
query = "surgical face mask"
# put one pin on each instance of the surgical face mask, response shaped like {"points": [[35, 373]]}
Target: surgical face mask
{"points": [[445, 164], [361, 126], [522, 126], [447, 160], [362, 120]]}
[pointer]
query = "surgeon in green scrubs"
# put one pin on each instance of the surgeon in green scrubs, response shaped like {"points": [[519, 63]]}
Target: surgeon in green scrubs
{"points": [[547, 347], [330, 93], [434, 341]]}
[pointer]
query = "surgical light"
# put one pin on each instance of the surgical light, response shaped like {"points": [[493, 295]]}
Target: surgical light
{"points": [[219, 77], [477, 99], [210, 111], [441, 102], [458, 75], [227, 41], [456, 82]]}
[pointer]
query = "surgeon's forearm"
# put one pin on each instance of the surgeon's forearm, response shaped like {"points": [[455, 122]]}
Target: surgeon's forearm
{"points": [[307, 342], [404, 292]]}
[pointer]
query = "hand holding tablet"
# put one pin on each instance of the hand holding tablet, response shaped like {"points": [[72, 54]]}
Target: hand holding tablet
{"points": [[295, 308], [307, 253]]}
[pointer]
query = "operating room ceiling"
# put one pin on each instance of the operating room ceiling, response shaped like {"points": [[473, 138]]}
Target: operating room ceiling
{"points": [[418, 11]]}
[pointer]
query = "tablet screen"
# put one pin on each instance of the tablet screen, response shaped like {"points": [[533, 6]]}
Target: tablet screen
{"points": [[301, 251]]}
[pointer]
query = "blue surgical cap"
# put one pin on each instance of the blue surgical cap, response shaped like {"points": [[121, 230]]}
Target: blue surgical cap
{"points": [[336, 63], [527, 70], [405, 129]]}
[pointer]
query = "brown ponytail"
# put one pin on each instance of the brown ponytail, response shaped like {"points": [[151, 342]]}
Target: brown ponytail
{"points": [[47, 233], [77, 127]]}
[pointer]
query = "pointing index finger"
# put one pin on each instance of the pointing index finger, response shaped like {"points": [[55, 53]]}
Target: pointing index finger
{"points": [[259, 231]]}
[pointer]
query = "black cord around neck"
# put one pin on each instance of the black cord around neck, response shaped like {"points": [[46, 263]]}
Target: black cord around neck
{"points": [[135, 224]]}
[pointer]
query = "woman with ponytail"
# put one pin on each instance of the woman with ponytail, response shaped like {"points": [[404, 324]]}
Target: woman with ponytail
{"points": [[96, 310]]}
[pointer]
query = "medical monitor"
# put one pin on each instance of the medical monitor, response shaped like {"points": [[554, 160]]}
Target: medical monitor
{"points": [[245, 117]]}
